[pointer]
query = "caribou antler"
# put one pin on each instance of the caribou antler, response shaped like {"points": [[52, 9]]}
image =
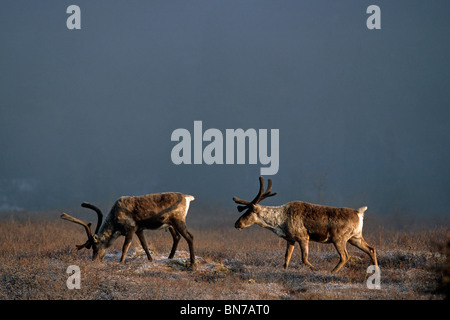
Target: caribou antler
{"points": [[87, 227], [267, 194], [259, 197], [99, 214], [87, 244]]}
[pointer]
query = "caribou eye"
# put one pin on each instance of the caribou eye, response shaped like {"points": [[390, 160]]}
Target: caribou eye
{"points": [[96, 238]]}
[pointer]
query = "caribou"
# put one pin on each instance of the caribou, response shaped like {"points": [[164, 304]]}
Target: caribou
{"points": [[299, 221], [132, 215]]}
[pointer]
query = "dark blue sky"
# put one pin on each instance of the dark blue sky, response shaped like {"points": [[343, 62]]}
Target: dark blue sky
{"points": [[87, 115]]}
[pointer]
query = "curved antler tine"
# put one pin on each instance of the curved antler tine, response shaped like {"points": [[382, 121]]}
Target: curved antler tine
{"points": [[268, 195], [268, 192], [99, 214], [86, 245], [237, 200], [260, 196], [261, 190], [86, 226], [261, 184], [269, 187]]}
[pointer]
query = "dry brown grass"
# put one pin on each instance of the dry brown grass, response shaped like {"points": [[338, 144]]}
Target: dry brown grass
{"points": [[35, 253]]}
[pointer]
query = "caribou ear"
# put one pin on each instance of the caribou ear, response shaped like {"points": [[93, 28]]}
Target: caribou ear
{"points": [[251, 206]]}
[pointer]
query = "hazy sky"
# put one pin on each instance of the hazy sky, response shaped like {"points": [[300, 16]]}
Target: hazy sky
{"points": [[87, 115]]}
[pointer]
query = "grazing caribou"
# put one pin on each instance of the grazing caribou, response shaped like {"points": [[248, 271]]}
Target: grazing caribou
{"points": [[131, 215], [300, 222]]}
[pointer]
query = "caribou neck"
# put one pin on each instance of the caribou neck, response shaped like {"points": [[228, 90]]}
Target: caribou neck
{"points": [[270, 217], [107, 232]]}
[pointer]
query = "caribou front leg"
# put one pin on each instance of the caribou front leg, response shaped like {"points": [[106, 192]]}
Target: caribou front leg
{"points": [[126, 246]]}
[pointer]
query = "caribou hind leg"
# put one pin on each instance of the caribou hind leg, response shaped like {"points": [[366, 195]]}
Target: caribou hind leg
{"points": [[360, 243], [180, 227], [342, 250]]}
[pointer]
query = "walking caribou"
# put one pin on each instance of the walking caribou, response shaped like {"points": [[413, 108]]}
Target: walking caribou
{"points": [[299, 221]]}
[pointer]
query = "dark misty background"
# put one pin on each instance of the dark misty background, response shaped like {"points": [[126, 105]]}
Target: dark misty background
{"points": [[87, 115]]}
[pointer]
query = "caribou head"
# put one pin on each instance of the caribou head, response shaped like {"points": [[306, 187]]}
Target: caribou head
{"points": [[94, 240], [253, 208]]}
